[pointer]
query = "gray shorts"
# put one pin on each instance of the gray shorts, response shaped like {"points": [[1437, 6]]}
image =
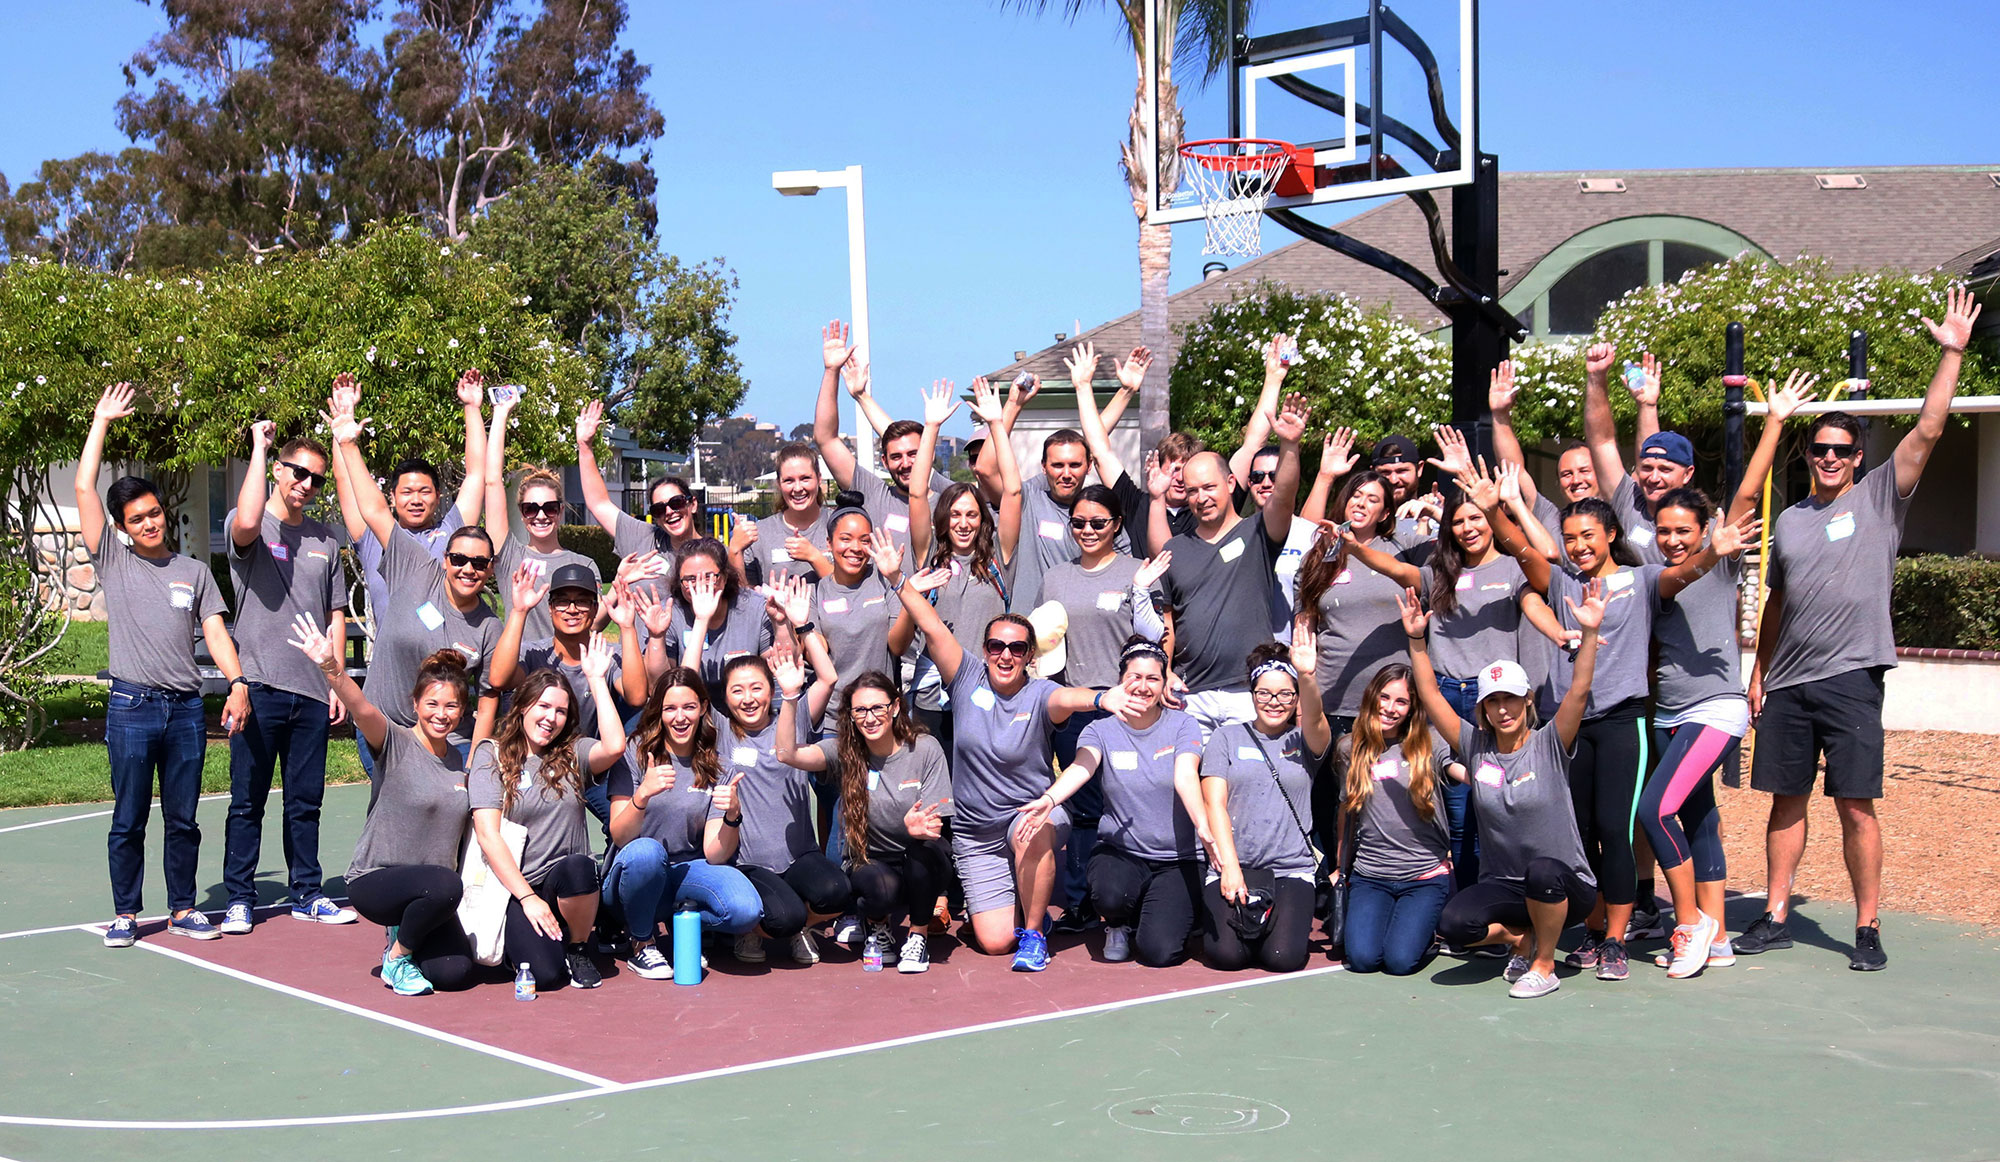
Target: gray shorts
{"points": [[985, 861]]}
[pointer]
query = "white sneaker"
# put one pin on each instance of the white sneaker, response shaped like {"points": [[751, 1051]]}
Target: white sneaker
{"points": [[1690, 947], [804, 949], [1117, 944], [750, 948], [237, 921], [916, 955], [1720, 955], [1534, 984], [847, 930]]}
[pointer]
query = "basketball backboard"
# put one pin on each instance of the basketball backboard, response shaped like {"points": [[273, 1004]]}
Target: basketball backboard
{"points": [[1385, 95]]}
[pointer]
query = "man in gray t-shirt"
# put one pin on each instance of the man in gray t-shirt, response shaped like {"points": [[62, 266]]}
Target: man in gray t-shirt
{"points": [[284, 565], [1665, 461]]}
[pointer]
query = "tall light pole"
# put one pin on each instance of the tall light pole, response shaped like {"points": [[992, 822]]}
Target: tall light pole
{"points": [[807, 182]]}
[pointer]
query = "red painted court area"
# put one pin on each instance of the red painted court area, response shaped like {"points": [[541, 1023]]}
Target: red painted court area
{"points": [[638, 1030]]}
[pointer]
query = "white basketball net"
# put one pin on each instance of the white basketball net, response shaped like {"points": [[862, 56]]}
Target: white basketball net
{"points": [[1234, 180]]}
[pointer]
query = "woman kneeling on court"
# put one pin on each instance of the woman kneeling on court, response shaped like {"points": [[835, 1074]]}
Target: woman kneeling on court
{"points": [[404, 875], [1533, 878], [1145, 873], [1256, 782], [675, 822], [534, 772], [1003, 721], [894, 794]]}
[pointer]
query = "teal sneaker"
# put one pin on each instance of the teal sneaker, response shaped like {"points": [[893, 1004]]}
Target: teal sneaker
{"points": [[402, 974]]}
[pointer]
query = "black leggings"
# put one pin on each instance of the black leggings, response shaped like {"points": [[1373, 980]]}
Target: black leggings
{"points": [[1612, 754], [1155, 898], [1283, 948], [1469, 913], [812, 884], [421, 903], [572, 876], [907, 881]]}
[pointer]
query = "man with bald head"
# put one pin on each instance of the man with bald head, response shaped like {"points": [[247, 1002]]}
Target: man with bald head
{"points": [[1225, 558]]}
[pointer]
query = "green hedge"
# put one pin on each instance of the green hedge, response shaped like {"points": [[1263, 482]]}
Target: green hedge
{"points": [[1947, 602], [593, 542]]}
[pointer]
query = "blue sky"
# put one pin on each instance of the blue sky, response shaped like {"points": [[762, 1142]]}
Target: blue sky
{"points": [[996, 213]]}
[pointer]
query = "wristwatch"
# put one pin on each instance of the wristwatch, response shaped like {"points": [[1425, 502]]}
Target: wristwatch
{"points": [[239, 680], [736, 822]]}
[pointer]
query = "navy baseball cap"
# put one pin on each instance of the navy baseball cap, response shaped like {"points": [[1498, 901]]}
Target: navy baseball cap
{"points": [[1669, 446]]}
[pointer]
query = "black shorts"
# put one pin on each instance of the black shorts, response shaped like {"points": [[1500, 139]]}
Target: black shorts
{"points": [[1839, 717]]}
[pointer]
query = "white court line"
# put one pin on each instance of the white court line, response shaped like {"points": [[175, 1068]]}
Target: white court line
{"points": [[98, 926], [102, 814], [609, 1088], [394, 1022]]}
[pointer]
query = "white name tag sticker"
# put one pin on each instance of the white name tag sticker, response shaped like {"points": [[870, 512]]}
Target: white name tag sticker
{"points": [[1384, 770], [1125, 760], [779, 556], [1232, 550], [1490, 774], [836, 605], [1841, 527], [1109, 602], [1465, 582], [874, 779], [897, 522], [432, 619], [180, 595], [1618, 581], [983, 698], [1345, 577], [1051, 529], [744, 756], [279, 551], [1249, 754]]}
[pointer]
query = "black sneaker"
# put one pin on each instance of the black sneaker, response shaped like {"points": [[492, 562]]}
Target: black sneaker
{"points": [[582, 973], [1767, 933], [1867, 955], [1646, 924]]}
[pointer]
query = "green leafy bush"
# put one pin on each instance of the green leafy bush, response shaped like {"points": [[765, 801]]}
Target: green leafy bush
{"points": [[592, 541], [1947, 602]]}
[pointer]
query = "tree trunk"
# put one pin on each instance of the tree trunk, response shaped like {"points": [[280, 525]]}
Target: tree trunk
{"points": [[1156, 242]]}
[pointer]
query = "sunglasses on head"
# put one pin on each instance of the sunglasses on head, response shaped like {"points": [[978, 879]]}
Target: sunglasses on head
{"points": [[461, 560], [1095, 524], [1821, 450], [316, 479], [1260, 476], [679, 503], [995, 647], [551, 508]]}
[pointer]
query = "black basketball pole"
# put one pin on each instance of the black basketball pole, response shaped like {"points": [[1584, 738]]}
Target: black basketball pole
{"points": [[1733, 380], [1478, 343]]}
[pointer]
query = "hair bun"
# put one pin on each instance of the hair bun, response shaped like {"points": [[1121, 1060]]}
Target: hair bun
{"points": [[447, 658]]}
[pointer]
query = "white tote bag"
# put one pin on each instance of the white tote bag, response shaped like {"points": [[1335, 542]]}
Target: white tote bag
{"points": [[482, 910]]}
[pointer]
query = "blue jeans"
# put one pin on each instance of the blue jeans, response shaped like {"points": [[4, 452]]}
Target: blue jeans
{"points": [[1085, 808], [647, 888], [289, 729], [148, 731], [1463, 694], [1390, 922]]}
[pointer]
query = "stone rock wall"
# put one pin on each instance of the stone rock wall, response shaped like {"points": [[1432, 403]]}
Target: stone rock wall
{"points": [[66, 575]]}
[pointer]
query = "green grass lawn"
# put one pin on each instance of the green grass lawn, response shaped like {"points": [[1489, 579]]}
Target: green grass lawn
{"points": [[81, 772], [85, 649]]}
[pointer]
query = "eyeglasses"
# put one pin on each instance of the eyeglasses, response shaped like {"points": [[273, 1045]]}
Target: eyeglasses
{"points": [[995, 647], [460, 561], [1095, 524], [316, 479], [572, 599], [869, 713], [1275, 697], [1821, 450], [679, 503], [548, 508], [1259, 476]]}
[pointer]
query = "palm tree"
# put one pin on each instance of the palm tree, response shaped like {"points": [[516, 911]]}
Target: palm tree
{"points": [[1192, 34]]}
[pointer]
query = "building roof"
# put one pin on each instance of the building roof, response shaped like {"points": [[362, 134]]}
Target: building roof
{"points": [[1905, 217]]}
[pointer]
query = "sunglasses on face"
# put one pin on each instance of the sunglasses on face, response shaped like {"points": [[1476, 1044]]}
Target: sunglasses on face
{"points": [[316, 479], [1260, 476], [661, 508], [1821, 451], [869, 713], [1095, 524], [995, 647], [461, 560], [548, 508]]}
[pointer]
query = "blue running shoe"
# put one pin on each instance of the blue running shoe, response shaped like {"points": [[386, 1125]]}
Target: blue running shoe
{"points": [[402, 974], [121, 932], [195, 926], [238, 920], [321, 910], [1033, 953]]}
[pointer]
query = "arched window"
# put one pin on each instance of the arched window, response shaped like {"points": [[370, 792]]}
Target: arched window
{"points": [[1577, 297], [1569, 287]]}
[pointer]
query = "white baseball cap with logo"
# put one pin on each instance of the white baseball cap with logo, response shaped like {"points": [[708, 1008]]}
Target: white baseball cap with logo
{"points": [[1503, 677]]}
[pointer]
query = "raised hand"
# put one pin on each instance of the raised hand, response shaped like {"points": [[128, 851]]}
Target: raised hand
{"points": [[1336, 453], [588, 420], [1132, 372], [1274, 355], [854, 375], [798, 548], [1508, 477], [742, 536], [796, 598], [1305, 653], [939, 405], [596, 659], [472, 388], [1153, 569], [724, 795], [1082, 365], [1025, 387], [1478, 483], [887, 553], [833, 343], [986, 403], [925, 822], [1960, 313], [1121, 702], [1290, 424], [788, 670], [1598, 357], [1415, 620], [1453, 458], [1158, 478], [704, 598], [311, 640], [1731, 537], [1590, 615], [620, 608], [1798, 391], [930, 579], [641, 567], [262, 432], [1500, 387], [346, 390], [658, 615], [659, 779], [525, 588]]}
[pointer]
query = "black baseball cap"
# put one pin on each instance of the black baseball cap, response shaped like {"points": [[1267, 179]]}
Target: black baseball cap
{"points": [[574, 576], [1395, 449]]}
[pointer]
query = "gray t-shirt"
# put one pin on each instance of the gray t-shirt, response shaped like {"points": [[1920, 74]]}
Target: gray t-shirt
{"points": [[1100, 617], [1360, 631], [745, 629], [513, 551], [1220, 615], [554, 817], [970, 601], [855, 621], [1046, 541], [776, 799], [1696, 631], [768, 560], [1637, 517], [541, 655], [631, 535], [1523, 804], [156, 610], [895, 784], [1001, 752], [1835, 565], [1394, 842], [1143, 816], [678, 817], [1624, 641], [420, 810], [1485, 625], [891, 512], [286, 571], [433, 539], [418, 620], [1268, 833]]}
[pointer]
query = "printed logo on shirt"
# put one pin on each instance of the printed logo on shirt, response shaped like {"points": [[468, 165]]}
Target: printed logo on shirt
{"points": [[279, 550], [180, 594], [1289, 752], [1110, 600], [1125, 760], [983, 698], [471, 653], [1841, 527], [1164, 751], [432, 619], [1385, 770], [1232, 550], [1050, 530], [910, 785], [317, 555], [1490, 775], [1288, 562], [1491, 586], [744, 756], [875, 600], [898, 522], [1526, 777], [1023, 716], [837, 605]]}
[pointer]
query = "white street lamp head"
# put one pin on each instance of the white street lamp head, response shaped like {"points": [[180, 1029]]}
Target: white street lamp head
{"points": [[795, 182]]}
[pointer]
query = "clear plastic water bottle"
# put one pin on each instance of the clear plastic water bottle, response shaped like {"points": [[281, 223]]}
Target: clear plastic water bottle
{"points": [[524, 984], [871, 956]]}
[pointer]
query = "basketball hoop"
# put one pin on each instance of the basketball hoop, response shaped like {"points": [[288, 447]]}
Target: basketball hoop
{"points": [[1235, 177]]}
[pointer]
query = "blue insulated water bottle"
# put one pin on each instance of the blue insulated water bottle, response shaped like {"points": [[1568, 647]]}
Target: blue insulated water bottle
{"points": [[687, 945]]}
